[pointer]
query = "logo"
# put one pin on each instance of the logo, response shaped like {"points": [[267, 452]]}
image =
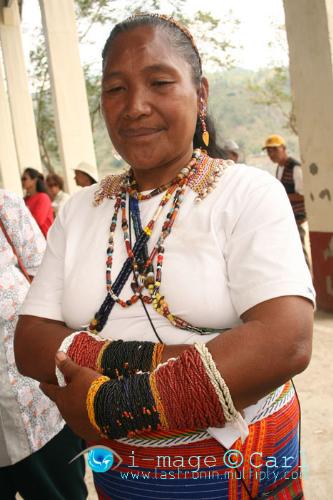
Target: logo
{"points": [[100, 458]]}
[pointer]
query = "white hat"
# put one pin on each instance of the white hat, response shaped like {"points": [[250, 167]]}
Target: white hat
{"points": [[232, 146], [87, 169]]}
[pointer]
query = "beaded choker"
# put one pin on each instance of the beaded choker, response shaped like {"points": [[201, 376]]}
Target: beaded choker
{"points": [[201, 174]]}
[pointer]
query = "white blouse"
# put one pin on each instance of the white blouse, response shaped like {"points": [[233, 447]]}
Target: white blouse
{"points": [[236, 248]]}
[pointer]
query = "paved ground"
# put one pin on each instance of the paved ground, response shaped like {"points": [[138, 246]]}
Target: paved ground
{"points": [[315, 389]]}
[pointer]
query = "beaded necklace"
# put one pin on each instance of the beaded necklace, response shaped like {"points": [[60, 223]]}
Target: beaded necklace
{"points": [[137, 261]]}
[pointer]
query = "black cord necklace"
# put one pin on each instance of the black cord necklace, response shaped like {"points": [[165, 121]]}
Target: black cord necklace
{"points": [[134, 213]]}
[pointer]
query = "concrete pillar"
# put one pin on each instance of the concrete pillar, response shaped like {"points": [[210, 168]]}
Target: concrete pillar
{"points": [[309, 26], [10, 173], [68, 87], [18, 89]]}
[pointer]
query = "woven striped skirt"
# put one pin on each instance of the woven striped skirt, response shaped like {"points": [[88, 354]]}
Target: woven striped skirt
{"points": [[191, 465]]}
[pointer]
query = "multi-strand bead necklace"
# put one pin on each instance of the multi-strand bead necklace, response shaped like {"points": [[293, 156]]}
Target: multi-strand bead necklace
{"points": [[196, 172]]}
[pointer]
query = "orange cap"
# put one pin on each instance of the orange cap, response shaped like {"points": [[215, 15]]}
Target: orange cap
{"points": [[274, 141]]}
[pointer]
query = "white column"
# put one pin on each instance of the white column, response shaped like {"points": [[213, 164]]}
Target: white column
{"points": [[8, 160], [68, 86], [18, 89], [309, 26]]}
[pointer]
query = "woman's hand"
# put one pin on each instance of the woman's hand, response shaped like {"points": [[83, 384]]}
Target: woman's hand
{"points": [[71, 399]]}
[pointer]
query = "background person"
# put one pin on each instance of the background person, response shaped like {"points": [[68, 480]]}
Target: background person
{"points": [[85, 174], [231, 149], [37, 199], [34, 447], [207, 261], [55, 186], [289, 172]]}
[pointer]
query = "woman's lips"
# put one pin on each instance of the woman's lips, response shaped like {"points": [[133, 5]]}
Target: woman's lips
{"points": [[138, 132]]}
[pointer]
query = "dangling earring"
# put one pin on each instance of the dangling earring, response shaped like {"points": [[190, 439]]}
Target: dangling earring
{"points": [[202, 116]]}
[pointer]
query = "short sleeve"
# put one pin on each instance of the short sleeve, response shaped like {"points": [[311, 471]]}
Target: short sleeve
{"points": [[45, 295], [264, 253]]}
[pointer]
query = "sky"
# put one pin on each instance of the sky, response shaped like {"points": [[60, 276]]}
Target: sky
{"points": [[258, 20]]}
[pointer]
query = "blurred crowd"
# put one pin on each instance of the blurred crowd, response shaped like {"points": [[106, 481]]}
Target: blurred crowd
{"points": [[45, 196]]}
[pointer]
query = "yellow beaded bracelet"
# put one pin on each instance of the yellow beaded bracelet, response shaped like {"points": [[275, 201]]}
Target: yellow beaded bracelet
{"points": [[159, 404], [96, 384], [157, 356], [100, 355]]}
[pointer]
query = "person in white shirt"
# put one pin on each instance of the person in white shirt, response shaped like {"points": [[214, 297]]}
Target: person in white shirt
{"points": [[55, 186]]}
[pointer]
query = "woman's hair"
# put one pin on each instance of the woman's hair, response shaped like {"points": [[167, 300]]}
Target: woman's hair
{"points": [[55, 179], [34, 174], [182, 40]]}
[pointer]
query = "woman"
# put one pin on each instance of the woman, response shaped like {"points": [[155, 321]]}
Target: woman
{"points": [[34, 447], [219, 251], [55, 185], [36, 198]]}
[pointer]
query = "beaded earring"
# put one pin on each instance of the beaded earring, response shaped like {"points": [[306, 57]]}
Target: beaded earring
{"points": [[202, 116]]}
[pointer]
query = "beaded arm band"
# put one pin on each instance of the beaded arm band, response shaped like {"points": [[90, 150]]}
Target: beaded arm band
{"points": [[184, 393], [65, 347], [119, 358], [112, 358], [222, 391]]}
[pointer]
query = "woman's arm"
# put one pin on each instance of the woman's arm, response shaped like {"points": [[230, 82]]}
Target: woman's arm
{"points": [[253, 359], [36, 343], [272, 345]]}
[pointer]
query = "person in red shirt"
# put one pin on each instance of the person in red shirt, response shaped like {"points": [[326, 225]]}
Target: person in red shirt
{"points": [[37, 199]]}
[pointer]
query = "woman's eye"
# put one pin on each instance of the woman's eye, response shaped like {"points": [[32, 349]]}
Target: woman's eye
{"points": [[113, 90], [160, 83]]}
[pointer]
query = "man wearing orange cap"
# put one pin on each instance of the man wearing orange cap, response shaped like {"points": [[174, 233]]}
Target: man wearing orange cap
{"points": [[289, 172]]}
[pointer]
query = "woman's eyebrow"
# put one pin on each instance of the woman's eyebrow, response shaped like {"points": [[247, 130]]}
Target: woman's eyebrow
{"points": [[146, 69], [159, 67], [112, 74]]}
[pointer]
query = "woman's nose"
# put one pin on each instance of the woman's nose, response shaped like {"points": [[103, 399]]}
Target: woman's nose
{"points": [[137, 104]]}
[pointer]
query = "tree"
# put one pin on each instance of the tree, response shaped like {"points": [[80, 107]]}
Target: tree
{"points": [[216, 50], [273, 90]]}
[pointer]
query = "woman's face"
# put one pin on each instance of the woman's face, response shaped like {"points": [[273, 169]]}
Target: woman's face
{"points": [[53, 189], [149, 101], [28, 183]]}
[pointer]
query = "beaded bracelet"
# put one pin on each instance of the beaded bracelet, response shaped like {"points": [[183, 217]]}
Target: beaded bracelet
{"points": [[222, 390], [179, 394], [65, 346], [96, 384], [119, 358], [112, 358]]}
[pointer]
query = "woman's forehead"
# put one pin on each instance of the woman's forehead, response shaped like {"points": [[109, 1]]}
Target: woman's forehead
{"points": [[140, 45]]}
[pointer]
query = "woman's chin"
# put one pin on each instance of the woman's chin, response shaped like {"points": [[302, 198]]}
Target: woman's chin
{"points": [[144, 159]]}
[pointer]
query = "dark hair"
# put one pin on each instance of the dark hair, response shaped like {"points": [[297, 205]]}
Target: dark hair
{"points": [[55, 179], [34, 174], [183, 41]]}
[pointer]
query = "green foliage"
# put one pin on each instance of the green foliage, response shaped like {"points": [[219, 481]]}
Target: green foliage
{"points": [[238, 116], [42, 102], [272, 89]]}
